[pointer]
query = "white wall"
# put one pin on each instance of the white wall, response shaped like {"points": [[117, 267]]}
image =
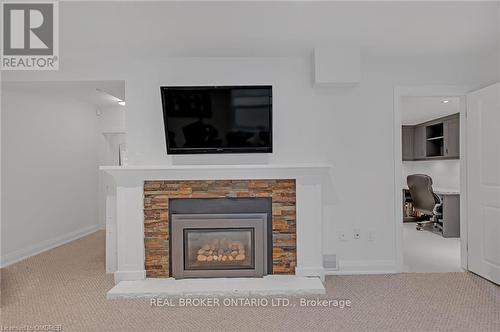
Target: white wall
{"points": [[1, 193], [498, 41], [349, 128], [445, 174], [112, 119], [49, 171]]}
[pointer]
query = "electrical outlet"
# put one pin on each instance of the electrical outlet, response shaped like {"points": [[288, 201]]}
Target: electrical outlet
{"points": [[371, 236], [357, 233]]}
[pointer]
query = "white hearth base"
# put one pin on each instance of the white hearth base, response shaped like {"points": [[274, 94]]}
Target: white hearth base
{"points": [[270, 285]]}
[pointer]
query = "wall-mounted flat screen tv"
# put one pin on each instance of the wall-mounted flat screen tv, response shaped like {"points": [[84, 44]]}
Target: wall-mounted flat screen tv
{"points": [[217, 119]]}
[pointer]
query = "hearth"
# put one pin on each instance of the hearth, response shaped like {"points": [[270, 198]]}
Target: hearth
{"points": [[218, 245]]}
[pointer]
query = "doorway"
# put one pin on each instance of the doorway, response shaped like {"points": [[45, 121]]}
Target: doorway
{"points": [[430, 124]]}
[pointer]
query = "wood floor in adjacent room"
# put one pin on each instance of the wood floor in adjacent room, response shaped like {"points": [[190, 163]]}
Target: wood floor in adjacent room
{"points": [[67, 286]]}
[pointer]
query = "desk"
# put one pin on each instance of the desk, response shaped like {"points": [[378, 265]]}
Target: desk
{"points": [[450, 226]]}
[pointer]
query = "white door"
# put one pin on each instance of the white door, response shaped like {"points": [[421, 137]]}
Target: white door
{"points": [[483, 182]]}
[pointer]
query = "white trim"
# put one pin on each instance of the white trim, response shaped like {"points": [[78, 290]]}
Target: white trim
{"points": [[463, 184], [398, 171], [427, 91], [348, 267], [129, 275], [21, 254]]}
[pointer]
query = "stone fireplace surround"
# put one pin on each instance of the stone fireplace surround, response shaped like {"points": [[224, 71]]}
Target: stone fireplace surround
{"points": [[157, 195], [126, 248]]}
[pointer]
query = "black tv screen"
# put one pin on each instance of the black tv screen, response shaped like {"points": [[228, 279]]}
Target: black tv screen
{"points": [[217, 119]]}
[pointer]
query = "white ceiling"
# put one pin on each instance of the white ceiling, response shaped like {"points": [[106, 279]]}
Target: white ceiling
{"points": [[275, 28], [415, 110], [102, 94]]}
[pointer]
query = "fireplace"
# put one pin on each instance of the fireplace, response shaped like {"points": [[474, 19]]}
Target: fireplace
{"points": [[219, 245], [273, 197], [140, 243], [220, 237]]}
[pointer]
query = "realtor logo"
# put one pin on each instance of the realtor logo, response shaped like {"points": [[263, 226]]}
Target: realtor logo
{"points": [[30, 36]]}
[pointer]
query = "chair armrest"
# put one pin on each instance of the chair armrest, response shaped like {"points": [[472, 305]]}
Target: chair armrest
{"points": [[437, 209], [439, 203]]}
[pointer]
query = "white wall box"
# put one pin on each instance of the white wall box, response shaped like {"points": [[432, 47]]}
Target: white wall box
{"points": [[337, 66]]}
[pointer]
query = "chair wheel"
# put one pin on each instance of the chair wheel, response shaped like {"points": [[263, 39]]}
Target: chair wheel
{"points": [[419, 228]]}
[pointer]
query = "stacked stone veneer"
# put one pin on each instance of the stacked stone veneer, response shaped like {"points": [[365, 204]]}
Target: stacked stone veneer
{"points": [[158, 193]]}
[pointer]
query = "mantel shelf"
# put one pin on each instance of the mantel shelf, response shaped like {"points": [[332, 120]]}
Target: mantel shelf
{"points": [[137, 174], [209, 167]]}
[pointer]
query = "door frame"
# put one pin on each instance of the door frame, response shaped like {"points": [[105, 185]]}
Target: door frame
{"points": [[429, 91]]}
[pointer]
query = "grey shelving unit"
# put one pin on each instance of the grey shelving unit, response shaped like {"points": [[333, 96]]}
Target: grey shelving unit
{"points": [[436, 139]]}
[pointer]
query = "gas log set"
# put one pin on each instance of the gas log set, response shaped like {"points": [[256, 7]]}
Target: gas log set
{"points": [[222, 250]]}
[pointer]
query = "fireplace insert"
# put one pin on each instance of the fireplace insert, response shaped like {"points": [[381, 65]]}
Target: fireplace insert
{"points": [[219, 245]]}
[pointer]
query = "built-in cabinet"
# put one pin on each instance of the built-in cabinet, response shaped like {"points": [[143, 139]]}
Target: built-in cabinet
{"points": [[407, 136], [418, 143], [452, 135], [436, 139]]}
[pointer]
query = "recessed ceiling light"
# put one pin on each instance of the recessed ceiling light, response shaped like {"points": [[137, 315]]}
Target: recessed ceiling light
{"points": [[445, 101], [121, 103]]}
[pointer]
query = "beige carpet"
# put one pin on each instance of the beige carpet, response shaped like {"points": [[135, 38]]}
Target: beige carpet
{"points": [[67, 286]]}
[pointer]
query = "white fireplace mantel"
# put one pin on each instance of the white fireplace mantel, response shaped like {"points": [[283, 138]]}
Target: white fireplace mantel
{"points": [[136, 174], [128, 210]]}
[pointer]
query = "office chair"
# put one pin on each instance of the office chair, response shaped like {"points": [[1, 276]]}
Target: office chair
{"points": [[424, 199]]}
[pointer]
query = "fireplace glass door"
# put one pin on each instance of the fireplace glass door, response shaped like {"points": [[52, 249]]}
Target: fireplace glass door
{"points": [[219, 248], [218, 245]]}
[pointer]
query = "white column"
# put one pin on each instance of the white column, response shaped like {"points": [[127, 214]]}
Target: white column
{"points": [[130, 233], [309, 230], [111, 258]]}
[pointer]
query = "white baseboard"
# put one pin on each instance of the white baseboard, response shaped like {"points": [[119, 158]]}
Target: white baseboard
{"points": [[352, 267], [21, 254], [129, 275]]}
